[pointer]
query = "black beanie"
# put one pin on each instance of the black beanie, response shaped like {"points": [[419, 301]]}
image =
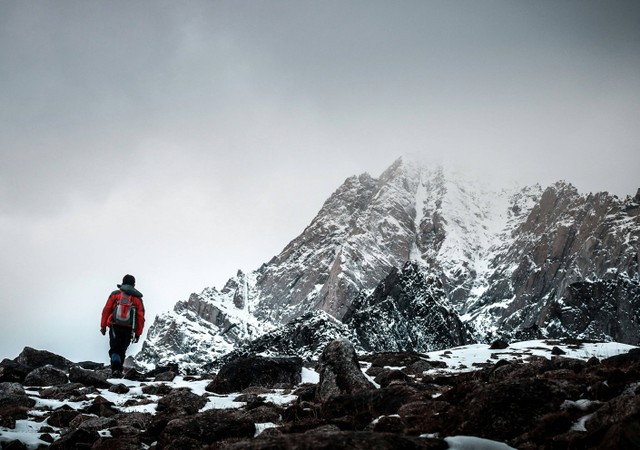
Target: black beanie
{"points": [[129, 279]]}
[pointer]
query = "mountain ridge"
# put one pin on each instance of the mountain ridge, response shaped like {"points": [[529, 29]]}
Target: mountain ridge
{"points": [[506, 260]]}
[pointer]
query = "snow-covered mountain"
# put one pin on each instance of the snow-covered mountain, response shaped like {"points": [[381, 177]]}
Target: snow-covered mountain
{"points": [[484, 262]]}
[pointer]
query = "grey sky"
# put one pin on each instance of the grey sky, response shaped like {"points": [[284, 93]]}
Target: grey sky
{"points": [[181, 141]]}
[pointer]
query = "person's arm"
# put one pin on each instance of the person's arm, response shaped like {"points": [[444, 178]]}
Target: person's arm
{"points": [[139, 318], [107, 311]]}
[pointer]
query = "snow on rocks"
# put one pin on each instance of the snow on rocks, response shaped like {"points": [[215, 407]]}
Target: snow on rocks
{"points": [[518, 396]]}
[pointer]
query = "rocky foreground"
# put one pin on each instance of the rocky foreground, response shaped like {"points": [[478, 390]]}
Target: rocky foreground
{"points": [[384, 401]]}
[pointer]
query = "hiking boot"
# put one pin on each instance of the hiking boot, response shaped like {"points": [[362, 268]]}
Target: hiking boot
{"points": [[116, 374]]}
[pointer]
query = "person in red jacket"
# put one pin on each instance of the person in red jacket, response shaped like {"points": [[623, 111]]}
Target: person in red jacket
{"points": [[124, 315]]}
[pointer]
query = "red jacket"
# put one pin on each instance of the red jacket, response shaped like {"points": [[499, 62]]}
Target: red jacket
{"points": [[110, 306]]}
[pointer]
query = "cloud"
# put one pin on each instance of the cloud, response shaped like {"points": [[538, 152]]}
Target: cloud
{"points": [[180, 142]]}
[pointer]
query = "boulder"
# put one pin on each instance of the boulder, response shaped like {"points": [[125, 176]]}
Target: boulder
{"points": [[181, 401], [46, 376], [618, 422], [268, 372], [77, 438], [362, 407], [33, 358], [119, 388], [61, 418], [502, 410], [389, 424], [206, 428], [162, 369], [12, 371], [340, 371], [165, 376], [88, 377], [388, 376], [91, 365], [14, 404], [74, 392], [499, 344]]}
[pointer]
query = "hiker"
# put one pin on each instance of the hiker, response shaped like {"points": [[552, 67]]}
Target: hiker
{"points": [[124, 315]]}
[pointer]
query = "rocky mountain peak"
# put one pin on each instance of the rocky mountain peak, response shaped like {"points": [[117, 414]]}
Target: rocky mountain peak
{"points": [[486, 260]]}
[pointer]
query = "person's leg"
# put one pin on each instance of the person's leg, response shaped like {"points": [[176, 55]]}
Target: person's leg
{"points": [[119, 340]]}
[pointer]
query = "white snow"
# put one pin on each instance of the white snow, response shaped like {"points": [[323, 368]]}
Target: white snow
{"points": [[474, 443], [26, 431], [310, 376]]}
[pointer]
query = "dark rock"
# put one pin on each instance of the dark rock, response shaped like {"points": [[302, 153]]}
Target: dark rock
{"points": [[499, 345], [411, 304], [46, 437], [165, 376], [101, 407], [206, 428], [12, 371], [556, 351], [618, 420], [88, 377], [501, 410], [119, 388], [330, 440], [11, 389], [15, 445], [387, 376], [389, 424], [157, 389], [362, 407], [162, 369], [91, 365], [9, 415], [424, 416], [97, 423], [304, 336], [76, 439], [33, 358], [305, 392], [62, 417], [624, 359], [340, 371], [133, 375], [74, 392], [545, 430], [181, 401], [137, 420], [256, 371], [262, 414], [247, 398], [46, 375], [393, 359], [126, 443], [374, 371], [419, 367], [324, 429]]}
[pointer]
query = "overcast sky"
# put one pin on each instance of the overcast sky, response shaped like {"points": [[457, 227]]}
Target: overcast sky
{"points": [[182, 141]]}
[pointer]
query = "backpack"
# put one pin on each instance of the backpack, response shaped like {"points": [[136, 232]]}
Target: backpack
{"points": [[124, 312]]}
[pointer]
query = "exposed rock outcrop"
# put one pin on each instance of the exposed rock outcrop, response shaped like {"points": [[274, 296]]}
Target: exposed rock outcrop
{"points": [[407, 311], [244, 372], [340, 371], [528, 403]]}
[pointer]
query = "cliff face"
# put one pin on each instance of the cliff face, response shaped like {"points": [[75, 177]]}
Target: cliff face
{"points": [[406, 312], [363, 230], [484, 262], [561, 258]]}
